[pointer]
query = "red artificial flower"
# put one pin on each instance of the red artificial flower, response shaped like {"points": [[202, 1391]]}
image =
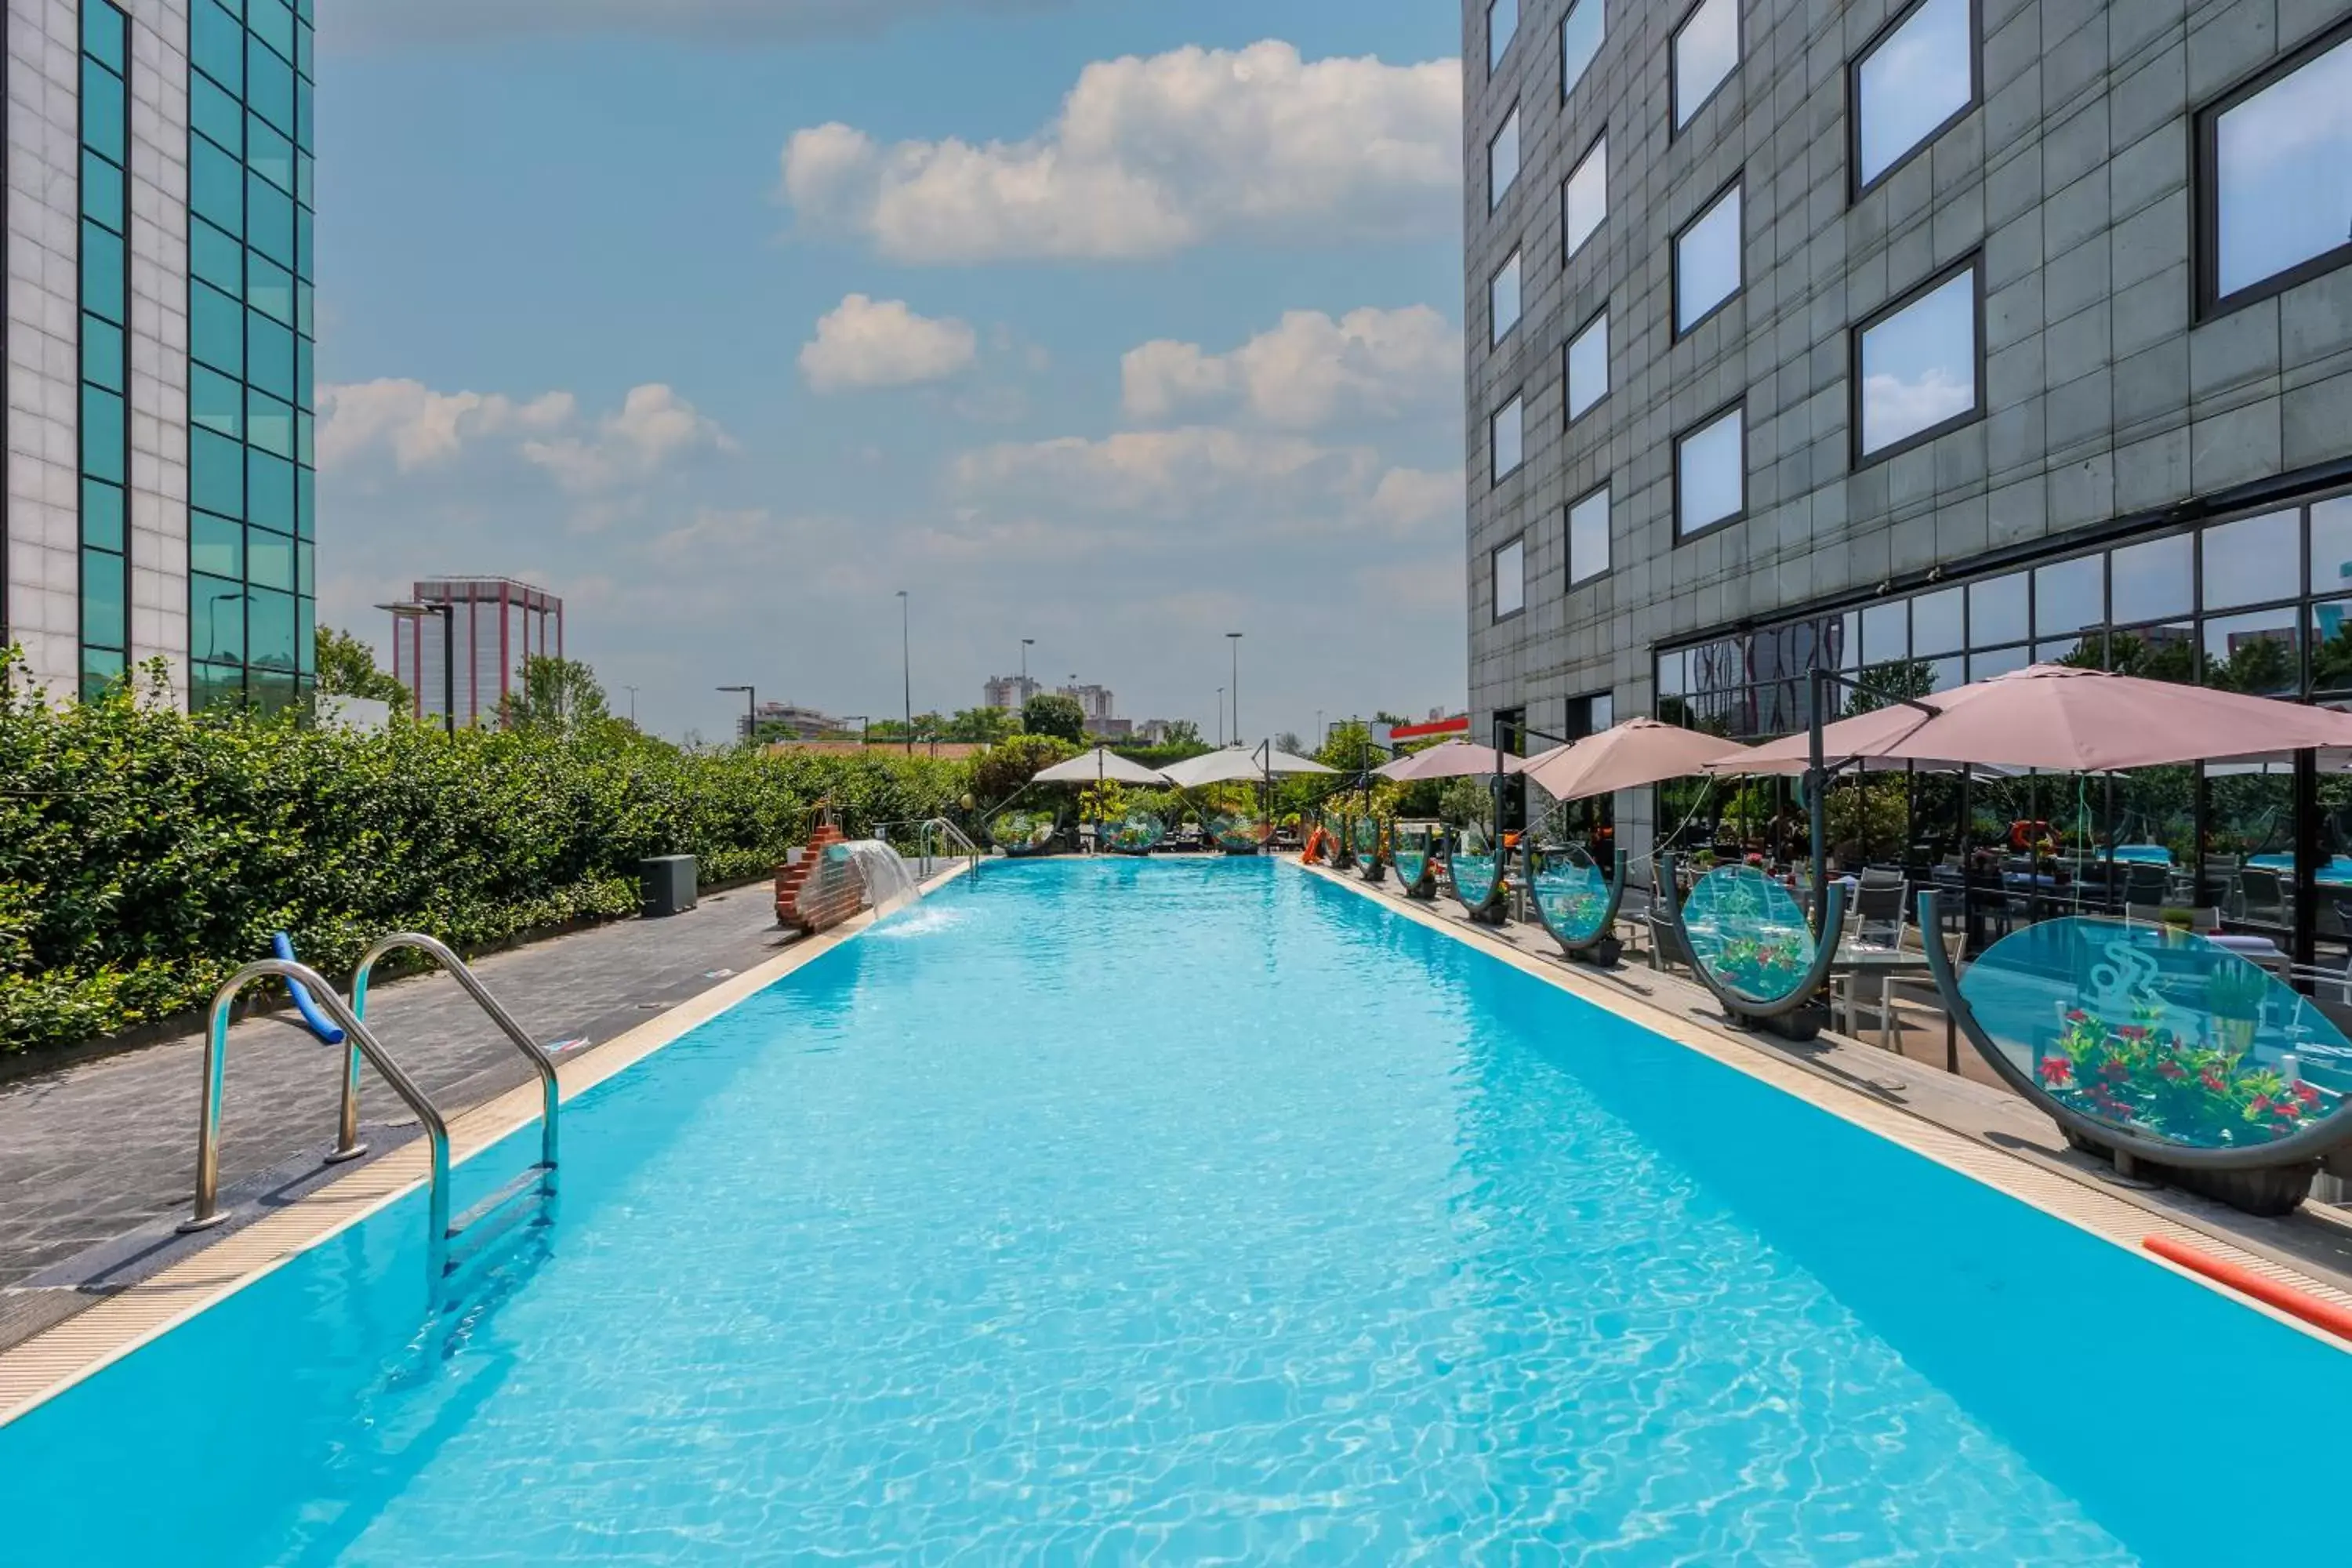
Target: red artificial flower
{"points": [[2171, 1071], [2212, 1078], [2261, 1105], [2132, 1031], [2306, 1093], [2056, 1071], [2076, 1016], [2116, 1069]]}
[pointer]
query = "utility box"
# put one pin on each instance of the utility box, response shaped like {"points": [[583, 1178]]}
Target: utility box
{"points": [[666, 885]]}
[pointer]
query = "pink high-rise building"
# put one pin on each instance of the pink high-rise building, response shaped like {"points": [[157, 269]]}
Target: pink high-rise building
{"points": [[495, 624]]}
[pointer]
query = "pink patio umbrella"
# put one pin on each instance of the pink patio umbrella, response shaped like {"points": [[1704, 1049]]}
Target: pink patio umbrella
{"points": [[1453, 760], [2066, 720], [1638, 752]]}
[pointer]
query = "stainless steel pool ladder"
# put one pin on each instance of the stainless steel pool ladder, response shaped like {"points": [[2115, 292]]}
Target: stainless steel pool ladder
{"points": [[934, 831]]}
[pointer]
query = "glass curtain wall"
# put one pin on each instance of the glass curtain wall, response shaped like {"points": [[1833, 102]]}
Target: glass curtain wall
{"points": [[105, 377], [252, 490]]}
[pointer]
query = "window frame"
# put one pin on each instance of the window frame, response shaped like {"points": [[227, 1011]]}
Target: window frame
{"points": [[1674, 472], [1509, 122], [1857, 457], [1599, 145], [1856, 186], [1675, 257], [1496, 55], [1570, 414], [1496, 614], [2207, 303], [1677, 122], [1495, 475], [1577, 579], [1560, 38], [1495, 334]]}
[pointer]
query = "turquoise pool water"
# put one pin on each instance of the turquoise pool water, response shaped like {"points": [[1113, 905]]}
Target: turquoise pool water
{"points": [[1189, 1212]]}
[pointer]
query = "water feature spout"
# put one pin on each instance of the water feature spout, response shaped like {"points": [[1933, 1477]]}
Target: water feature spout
{"points": [[890, 884]]}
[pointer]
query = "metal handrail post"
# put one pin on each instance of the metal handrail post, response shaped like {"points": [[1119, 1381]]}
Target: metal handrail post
{"points": [[363, 1042], [551, 1087]]}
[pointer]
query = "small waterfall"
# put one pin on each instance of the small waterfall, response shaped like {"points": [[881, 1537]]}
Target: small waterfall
{"points": [[889, 885]]}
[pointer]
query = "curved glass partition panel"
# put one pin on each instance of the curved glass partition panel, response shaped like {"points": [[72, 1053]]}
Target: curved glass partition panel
{"points": [[1751, 933], [1366, 837], [2159, 1034], [1475, 867], [1138, 833], [1236, 834], [1409, 853], [1571, 893], [1023, 832]]}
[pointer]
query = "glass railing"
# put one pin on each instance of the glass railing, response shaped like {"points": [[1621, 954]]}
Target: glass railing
{"points": [[1238, 834], [1750, 934], [1023, 832], [2159, 1034], [1572, 895], [1138, 833], [1475, 867]]}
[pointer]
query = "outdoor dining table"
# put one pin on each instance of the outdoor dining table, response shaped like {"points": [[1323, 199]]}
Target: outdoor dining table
{"points": [[1857, 960]]}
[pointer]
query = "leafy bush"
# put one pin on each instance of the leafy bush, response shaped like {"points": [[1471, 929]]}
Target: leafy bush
{"points": [[145, 854]]}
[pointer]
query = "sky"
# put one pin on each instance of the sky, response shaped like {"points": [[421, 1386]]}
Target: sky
{"points": [[1118, 324]]}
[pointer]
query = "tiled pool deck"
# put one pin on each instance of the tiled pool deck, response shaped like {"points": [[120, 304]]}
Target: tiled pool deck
{"points": [[86, 1206]]}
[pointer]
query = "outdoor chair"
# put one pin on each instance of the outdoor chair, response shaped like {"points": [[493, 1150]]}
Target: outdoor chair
{"points": [[2146, 884], [1880, 913], [1903, 995], [2260, 895]]}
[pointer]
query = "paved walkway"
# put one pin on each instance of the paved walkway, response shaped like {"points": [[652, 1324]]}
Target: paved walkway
{"points": [[94, 1151]]}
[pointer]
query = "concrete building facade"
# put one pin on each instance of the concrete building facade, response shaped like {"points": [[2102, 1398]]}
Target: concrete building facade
{"points": [[1933, 336]]}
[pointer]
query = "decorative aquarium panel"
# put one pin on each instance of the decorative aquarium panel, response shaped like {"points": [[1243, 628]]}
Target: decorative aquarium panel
{"points": [[1475, 868], [1571, 893], [1367, 836], [1238, 834], [1751, 933], [1409, 853], [1023, 832], [2159, 1033], [1138, 833]]}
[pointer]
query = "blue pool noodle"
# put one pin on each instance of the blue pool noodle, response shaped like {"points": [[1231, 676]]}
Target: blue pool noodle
{"points": [[283, 946]]}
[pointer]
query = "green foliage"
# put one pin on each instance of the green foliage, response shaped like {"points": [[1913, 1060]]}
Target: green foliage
{"points": [[1896, 681], [985, 726], [1002, 771], [1051, 713], [347, 668], [145, 854], [560, 696], [1868, 818]]}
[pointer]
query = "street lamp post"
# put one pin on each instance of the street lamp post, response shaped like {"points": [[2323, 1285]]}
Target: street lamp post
{"points": [[1220, 717], [633, 705], [906, 663], [410, 610], [750, 710], [1235, 639], [1026, 644]]}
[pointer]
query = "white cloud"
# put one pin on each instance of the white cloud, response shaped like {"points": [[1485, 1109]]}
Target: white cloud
{"points": [[1411, 501], [354, 23], [1152, 156], [1893, 407], [1307, 374], [654, 425], [865, 342], [421, 427]]}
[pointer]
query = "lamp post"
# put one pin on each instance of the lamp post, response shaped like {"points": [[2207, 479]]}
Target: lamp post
{"points": [[906, 663], [750, 710], [1235, 640], [633, 705], [865, 736], [411, 610], [1220, 717], [1026, 644]]}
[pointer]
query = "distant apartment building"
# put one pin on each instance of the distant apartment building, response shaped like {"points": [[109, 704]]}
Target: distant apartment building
{"points": [[481, 630], [795, 722], [1097, 701], [1008, 693]]}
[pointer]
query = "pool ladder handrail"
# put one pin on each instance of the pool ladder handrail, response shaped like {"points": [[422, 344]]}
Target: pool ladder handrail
{"points": [[363, 1044], [956, 837]]}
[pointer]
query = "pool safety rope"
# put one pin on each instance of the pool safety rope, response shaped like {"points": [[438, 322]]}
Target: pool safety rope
{"points": [[2335, 1320]]}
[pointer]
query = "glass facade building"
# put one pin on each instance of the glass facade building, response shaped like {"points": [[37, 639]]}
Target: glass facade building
{"points": [[105, 359]]}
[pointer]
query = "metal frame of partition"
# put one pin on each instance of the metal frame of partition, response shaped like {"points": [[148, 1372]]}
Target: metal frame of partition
{"points": [[1603, 949], [1786, 1016], [1374, 867], [1422, 887], [1491, 907]]}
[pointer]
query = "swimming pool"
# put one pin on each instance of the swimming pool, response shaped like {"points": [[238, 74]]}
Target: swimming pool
{"points": [[1199, 1210]]}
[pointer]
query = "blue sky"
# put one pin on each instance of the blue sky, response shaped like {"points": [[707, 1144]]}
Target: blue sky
{"points": [[1188, 364]]}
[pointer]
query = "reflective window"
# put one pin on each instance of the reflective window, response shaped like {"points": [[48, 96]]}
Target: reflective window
{"points": [[2153, 580], [1580, 40], [1510, 578], [2257, 654], [1711, 474], [1584, 198], [1998, 612], [215, 545], [2069, 595], [1671, 681], [1502, 24], [1984, 666], [103, 520], [1920, 365], [1503, 299], [1588, 366], [1706, 50], [2331, 646], [1507, 435], [1913, 82], [2279, 177], [1708, 261], [1502, 160], [2252, 560], [2331, 546], [1588, 538], [1886, 632], [1939, 622]]}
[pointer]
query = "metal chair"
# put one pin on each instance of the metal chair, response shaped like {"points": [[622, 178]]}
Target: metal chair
{"points": [[2261, 896]]}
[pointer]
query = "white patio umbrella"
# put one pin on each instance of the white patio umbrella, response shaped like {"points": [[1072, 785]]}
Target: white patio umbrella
{"points": [[1236, 765], [1452, 760], [1102, 766]]}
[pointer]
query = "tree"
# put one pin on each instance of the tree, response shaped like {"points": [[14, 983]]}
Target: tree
{"points": [[1896, 681], [1003, 771], [557, 694], [1184, 732], [1051, 713], [985, 726], [347, 668], [1288, 741]]}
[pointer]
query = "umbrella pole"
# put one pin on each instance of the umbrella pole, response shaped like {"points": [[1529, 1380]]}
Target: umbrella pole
{"points": [[1816, 809]]}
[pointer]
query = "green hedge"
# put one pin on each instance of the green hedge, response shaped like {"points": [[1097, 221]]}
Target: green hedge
{"points": [[145, 854]]}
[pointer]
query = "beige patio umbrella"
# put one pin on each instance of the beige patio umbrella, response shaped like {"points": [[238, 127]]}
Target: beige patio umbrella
{"points": [[1452, 760], [1102, 766], [1637, 752]]}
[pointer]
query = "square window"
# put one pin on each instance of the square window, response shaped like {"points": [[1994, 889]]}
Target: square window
{"points": [[217, 46], [1502, 26], [102, 434], [1887, 632], [1503, 159], [1588, 538], [2153, 581], [105, 126], [216, 686], [216, 114], [270, 356], [102, 515], [268, 153], [2259, 654], [1939, 623], [1584, 198], [1919, 362], [1581, 32], [1707, 51], [104, 34], [269, 84], [1503, 299], [101, 192], [1998, 611], [272, 23], [215, 329], [1911, 84], [2272, 177], [103, 286], [216, 186], [101, 354], [104, 592], [269, 288], [270, 425], [215, 472], [1510, 578], [269, 560], [216, 259], [1588, 366], [2069, 597], [2252, 560], [1708, 264], [215, 545], [269, 220], [268, 491], [1711, 474], [270, 622], [1507, 438]]}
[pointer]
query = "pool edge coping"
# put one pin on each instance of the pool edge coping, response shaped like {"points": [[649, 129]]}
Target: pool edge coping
{"points": [[69, 1352], [2104, 1216]]}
